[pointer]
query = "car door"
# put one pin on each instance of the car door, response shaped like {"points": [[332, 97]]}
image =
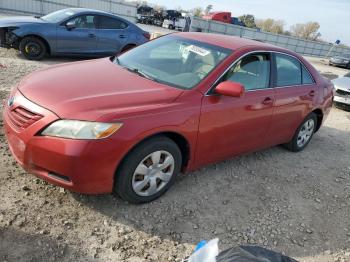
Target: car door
{"points": [[113, 34], [80, 37], [229, 125], [295, 93]]}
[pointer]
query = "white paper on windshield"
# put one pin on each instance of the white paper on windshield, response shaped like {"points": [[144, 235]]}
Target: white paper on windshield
{"points": [[197, 50]]}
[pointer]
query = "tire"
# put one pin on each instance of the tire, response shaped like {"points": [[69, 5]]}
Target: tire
{"points": [[299, 141], [171, 27], [136, 187], [33, 48], [348, 67]]}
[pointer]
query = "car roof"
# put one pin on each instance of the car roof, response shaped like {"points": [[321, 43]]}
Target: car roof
{"points": [[88, 10], [82, 11], [228, 41]]}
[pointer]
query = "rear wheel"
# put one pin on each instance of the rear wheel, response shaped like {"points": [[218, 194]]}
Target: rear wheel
{"points": [[33, 48], [304, 133], [148, 170]]}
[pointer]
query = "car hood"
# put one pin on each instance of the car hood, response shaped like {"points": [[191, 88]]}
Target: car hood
{"points": [[94, 90], [342, 83], [341, 57], [19, 20]]}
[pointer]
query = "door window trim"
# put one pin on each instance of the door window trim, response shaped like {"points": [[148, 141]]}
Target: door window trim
{"points": [[273, 72]]}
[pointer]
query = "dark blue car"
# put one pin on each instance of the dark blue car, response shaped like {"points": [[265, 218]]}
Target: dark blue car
{"points": [[74, 31]]}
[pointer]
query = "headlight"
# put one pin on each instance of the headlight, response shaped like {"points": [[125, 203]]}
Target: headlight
{"points": [[81, 129], [346, 61]]}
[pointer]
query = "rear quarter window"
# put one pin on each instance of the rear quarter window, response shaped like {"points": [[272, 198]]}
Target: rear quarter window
{"points": [[307, 78]]}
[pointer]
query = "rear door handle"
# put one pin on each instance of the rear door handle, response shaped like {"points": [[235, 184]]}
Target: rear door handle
{"points": [[268, 101], [122, 36], [92, 35], [312, 93]]}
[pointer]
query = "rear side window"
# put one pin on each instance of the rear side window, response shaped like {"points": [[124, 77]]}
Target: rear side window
{"points": [[288, 71], [252, 71], [307, 79], [106, 22]]}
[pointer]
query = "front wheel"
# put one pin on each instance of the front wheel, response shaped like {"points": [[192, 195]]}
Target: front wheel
{"points": [[148, 171], [32, 48], [304, 133]]}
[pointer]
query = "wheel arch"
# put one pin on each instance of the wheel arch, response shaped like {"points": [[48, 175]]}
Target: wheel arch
{"points": [[177, 138], [319, 114], [127, 47]]}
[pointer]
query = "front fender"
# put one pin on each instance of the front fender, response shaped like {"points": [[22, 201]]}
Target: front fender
{"points": [[45, 32]]}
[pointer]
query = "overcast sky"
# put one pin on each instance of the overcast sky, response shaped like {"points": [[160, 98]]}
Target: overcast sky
{"points": [[333, 15]]}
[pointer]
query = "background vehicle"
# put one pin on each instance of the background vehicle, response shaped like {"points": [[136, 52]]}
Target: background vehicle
{"points": [[165, 18], [145, 14], [74, 31], [224, 17], [342, 90], [182, 23], [130, 124], [343, 61]]}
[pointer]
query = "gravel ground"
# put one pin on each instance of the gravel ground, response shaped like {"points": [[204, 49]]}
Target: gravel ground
{"points": [[297, 204]]}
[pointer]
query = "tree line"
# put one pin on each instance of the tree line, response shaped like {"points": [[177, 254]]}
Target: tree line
{"points": [[308, 31]]}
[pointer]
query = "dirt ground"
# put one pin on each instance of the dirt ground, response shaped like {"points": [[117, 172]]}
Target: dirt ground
{"points": [[295, 203]]}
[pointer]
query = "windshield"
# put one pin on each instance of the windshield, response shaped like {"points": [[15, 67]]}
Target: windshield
{"points": [[58, 16], [173, 60]]}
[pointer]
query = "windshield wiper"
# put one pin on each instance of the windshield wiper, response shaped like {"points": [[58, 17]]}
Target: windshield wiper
{"points": [[140, 73]]}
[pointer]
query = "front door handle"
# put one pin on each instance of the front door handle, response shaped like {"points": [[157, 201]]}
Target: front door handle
{"points": [[122, 36], [268, 101], [92, 35]]}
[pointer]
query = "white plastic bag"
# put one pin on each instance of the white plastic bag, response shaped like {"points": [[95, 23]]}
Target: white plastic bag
{"points": [[207, 253]]}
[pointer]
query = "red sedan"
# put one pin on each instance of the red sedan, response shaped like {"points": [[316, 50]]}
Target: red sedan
{"points": [[130, 124]]}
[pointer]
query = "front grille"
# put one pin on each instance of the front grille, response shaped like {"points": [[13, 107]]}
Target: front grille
{"points": [[21, 118], [342, 92]]}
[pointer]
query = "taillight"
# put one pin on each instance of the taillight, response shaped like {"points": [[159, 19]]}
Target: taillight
{"points": [[147, 35]]}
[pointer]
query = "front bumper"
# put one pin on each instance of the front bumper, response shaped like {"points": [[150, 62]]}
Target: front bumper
{"points": [[8, 39], [342, 97], [338, 63], [77, 165]]}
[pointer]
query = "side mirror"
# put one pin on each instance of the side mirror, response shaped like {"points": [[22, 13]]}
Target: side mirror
{"points": [[70, 25], [229, 88]]}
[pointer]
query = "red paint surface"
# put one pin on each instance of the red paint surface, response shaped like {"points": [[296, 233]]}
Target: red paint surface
{"points": [[215, 127]]}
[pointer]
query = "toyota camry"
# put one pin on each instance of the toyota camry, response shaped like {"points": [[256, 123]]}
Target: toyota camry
{"points": [[129, 124]]}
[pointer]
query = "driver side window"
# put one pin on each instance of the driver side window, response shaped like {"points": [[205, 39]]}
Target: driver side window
{"points": [[85, 21], [252, 71]]}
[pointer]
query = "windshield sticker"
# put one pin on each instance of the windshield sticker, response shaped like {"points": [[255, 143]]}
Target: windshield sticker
{"points": [[197, 50]]}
